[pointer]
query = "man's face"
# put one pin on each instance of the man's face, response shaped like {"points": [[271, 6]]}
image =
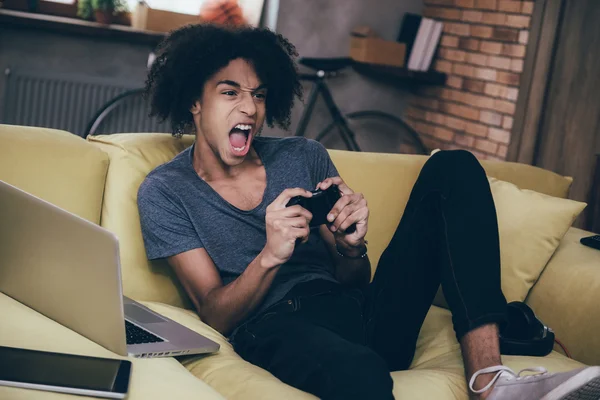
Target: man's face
{"points": [[231, 111]]}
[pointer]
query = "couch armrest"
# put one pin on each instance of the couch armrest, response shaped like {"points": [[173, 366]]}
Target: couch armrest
{"points": [[567, 297]]}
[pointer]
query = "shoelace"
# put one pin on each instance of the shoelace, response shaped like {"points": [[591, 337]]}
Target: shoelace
{"points": [[502, 370]]}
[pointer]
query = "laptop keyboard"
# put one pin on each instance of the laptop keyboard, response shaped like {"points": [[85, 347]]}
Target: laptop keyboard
{"points": [[137, 335]]}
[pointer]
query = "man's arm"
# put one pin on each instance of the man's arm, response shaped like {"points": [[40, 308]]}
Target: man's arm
{"points": [[348, 271], [224, 307], [350, 209]]}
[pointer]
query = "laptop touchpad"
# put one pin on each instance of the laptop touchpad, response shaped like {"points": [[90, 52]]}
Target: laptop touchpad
{"points": [[140, 315]]}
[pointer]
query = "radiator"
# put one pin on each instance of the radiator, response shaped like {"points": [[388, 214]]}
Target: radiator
{"points": [[70, 102]]}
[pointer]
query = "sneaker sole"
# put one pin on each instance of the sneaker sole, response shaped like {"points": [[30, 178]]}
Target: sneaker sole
{"points": [[583, 386]]}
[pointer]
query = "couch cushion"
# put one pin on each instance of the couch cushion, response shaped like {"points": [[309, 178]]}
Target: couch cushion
{"points": [[531, 226], [567, 296], [529, 177], [386, 181], [436, 371], [56, 166], [132, 157], [151, 379]]}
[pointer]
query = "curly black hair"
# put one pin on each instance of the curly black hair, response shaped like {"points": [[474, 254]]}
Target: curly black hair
{"points": [[191, 55]]}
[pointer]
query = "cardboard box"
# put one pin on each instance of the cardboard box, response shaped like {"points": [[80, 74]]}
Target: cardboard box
{"points": [[366, 47], [149, 19]]}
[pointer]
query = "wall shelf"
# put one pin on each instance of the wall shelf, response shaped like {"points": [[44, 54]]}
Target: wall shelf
{"points": [[400, 74], [73, 26]]}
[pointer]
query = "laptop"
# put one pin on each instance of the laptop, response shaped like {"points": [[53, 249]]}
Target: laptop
{"points": [[68, 269]]}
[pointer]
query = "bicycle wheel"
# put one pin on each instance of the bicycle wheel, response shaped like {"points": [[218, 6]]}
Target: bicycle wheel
{"points": [[126, 113], [376, 131]]}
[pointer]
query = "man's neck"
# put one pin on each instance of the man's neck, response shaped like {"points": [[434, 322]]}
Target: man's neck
{"points": [[210, 167]]}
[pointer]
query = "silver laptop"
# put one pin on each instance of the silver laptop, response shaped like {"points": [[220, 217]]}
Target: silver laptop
{"points": [[68, 269]]}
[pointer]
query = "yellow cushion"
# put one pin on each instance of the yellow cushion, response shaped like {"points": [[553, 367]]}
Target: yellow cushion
{"points": [[56, 166], [567, 296], [132, 157], [436, 371], [531, 226], [151, 379], [386, 181], [529, 177]]}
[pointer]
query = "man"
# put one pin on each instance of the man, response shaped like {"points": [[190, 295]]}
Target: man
{"points": [[294, 300]]}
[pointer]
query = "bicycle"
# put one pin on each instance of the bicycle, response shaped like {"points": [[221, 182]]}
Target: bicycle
{"points": [[367, 121]]}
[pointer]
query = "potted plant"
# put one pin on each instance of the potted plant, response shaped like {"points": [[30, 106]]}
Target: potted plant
{"points": [[101, 10]]}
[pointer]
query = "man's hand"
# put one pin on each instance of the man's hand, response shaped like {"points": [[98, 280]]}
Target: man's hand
{"points": [[284, 226], [350, 209]]}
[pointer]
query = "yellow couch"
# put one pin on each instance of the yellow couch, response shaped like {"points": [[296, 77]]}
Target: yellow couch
{"points": [[98, 180]]}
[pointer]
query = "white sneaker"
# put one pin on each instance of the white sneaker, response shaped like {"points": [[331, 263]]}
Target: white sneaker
{"points": [[579, 384]]}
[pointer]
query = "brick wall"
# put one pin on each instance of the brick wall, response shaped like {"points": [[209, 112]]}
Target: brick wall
{"points": [[481, 50]]}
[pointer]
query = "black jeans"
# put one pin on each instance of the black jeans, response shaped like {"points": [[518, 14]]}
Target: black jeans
{"points": [[340, 343]]}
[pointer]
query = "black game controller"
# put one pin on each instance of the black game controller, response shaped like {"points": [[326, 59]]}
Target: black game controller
{"points": [[319, 205]]}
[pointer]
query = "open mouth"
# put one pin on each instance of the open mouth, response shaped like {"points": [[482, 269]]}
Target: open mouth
{"points": [[239, 138]]}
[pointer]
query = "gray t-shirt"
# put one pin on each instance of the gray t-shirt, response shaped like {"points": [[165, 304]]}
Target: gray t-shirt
{"points": [[179, 211]]}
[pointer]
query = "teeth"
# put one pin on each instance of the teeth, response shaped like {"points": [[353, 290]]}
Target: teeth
{"points": [[243, 127], [239, 148]]}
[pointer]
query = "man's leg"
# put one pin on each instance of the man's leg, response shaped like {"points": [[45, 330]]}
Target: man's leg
{"points": [[449, 235], [315, 343], [481, 349]]}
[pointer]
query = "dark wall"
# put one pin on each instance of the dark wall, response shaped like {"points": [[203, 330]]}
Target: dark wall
{"points": [[33, 50], [320, 28]]}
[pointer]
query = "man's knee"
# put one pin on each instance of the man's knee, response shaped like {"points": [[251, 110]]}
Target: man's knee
{"points": [[456, 163], [454, 157]]}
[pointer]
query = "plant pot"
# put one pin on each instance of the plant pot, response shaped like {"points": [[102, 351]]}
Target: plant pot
{"points": [[103, 16], [122, 18]]}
